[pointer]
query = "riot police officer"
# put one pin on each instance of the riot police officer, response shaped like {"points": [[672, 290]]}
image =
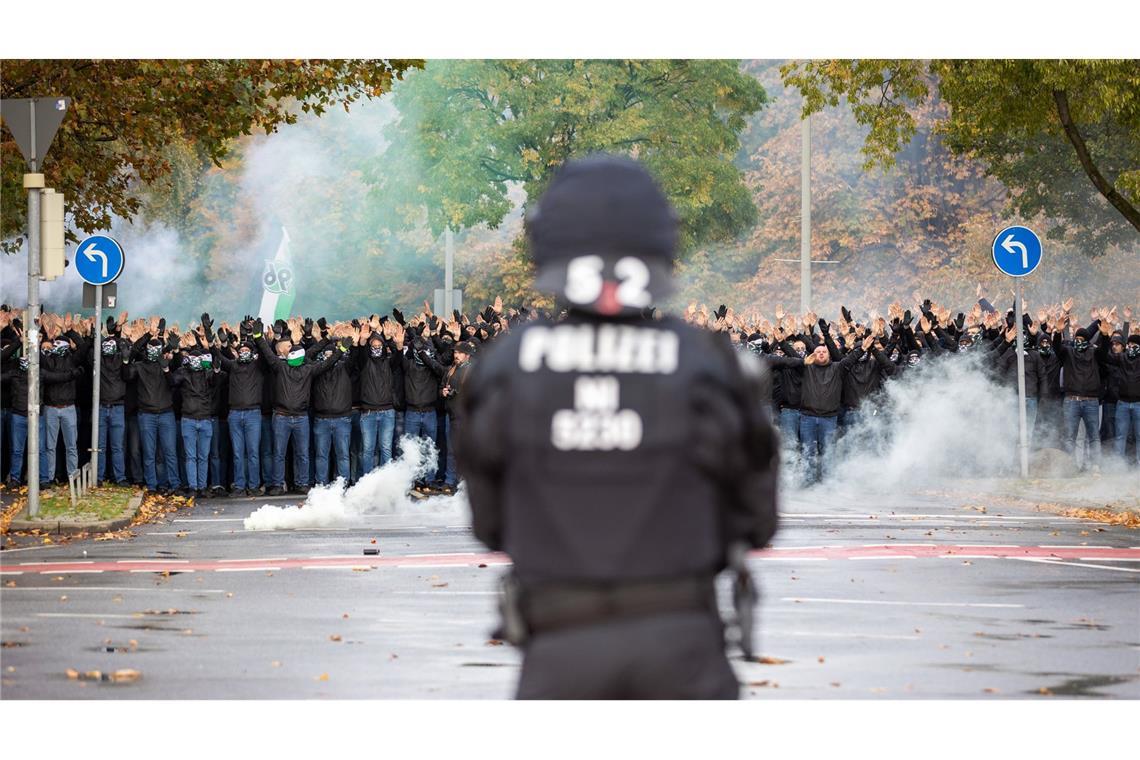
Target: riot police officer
{"points": [[616, 459]]}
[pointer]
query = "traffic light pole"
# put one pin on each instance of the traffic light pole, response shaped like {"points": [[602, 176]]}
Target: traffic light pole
{"points": [[33, 183]]}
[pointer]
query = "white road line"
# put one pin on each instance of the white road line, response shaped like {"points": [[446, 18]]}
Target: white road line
{"points": [[832, 635], [427, 566], [207, 519], [263, 559], [65, 562], [166, 533], [10, 572], [443, 554], [897, 603], [152, 561], [967, 556], [85, 615], [893, 543], [313, 530], [334, 556], [116, 589], [798, 548], [1109, 559], [789, 559], [68, 572], [1070, 546], [989, 546], [330, 567], [243, 569], [447, 593], [1080, 564], [889, 556]]}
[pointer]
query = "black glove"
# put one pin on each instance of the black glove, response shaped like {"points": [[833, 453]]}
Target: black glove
{"points": [[324, 325], [383, 319], [246, 326], [207, 323], [307, 328], [846, 314], [433, 321], [398, 316], [161, 325], [111, 325], [281, 328], [926, 305], [345, 344], [721, 312], [173, 342], [458, 317], [907, 317], [960, 320], [356, 324], [822, 325], [258, 327]]}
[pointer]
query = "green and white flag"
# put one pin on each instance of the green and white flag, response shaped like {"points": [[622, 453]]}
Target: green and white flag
{"points": [[278, 285]]}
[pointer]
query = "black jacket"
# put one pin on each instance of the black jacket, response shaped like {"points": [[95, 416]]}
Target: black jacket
{"points": [[378, 377], [332, 391], [246, 381], [197, 389], [112, 372], [865, 376], [421, 376], [293, 385], [823, 385], [1129, 376], [59, 382], [1036, 379], [1081, 370]]}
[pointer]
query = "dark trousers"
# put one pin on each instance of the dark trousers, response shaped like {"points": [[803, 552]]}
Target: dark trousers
{"points": [[674, 656]]}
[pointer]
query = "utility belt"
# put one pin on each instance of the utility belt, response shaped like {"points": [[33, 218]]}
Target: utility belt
{"points": [[542, 609]]}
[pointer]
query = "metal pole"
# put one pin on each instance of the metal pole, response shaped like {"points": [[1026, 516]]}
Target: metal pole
{"points": [[1022, 424], [98, 350], [33, 182], [805, 215], [448, 271]]}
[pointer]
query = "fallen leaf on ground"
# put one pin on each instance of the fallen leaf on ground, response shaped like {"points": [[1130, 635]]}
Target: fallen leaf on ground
{"points": [[63, 598], [820, 658], [835, 684], [758, 683], [334, 637], [991, 690], [771, 661], [125, 676], [494, 642], [1045, 691], [345, 616], [322, 677], [439, 585], [73, 674], [11, 584], [276, 663]]}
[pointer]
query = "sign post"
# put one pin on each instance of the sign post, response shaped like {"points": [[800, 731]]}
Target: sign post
{"points": [[1017, 252], [33, 123], [99, 260]]}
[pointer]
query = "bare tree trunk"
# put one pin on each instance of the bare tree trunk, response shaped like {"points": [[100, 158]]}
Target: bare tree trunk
{"points": [[1119, 202]]}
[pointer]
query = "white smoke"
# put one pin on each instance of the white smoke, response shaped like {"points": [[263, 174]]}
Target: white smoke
{"points": [[384, 491], [947, 418]]}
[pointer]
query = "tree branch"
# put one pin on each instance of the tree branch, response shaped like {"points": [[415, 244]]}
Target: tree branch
{"points": [[1119, 202]]}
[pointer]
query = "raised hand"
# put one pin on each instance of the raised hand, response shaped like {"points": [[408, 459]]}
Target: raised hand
{"points": [[1067, 306]]}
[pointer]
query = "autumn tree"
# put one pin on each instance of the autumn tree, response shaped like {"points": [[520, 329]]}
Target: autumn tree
{"points": [[1062, 136], [126, 114], [470, 130]]}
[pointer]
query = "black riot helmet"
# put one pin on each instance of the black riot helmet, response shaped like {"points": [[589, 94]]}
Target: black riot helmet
{"points": [[603, 237]]}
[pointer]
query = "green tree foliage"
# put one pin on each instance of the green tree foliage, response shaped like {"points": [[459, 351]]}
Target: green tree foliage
{"points": [[126, 115], [475, 128], [1063, 137]]}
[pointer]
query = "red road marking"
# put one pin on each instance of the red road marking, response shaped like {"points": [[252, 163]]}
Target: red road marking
{"points": [[492, 558]]}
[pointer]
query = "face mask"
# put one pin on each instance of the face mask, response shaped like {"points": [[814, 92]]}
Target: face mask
{"points": [[866, 355], [109, 347], [326, 355], [60, 348], [24, 363], [964, 345], [245, 357], [194, 362], [207, 362], [1045, 350], [895, 355], [1081, 345], [801, 352], [295, 358], [1132, 351], [376, 352], [913, 359], [153, 352]]}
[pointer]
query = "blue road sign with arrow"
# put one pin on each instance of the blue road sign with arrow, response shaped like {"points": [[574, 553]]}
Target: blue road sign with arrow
{"points": [[1017, 251], [99, 260]]}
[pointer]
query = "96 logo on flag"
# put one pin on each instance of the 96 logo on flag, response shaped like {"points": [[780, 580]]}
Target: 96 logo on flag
{"points": [[278, 278]]}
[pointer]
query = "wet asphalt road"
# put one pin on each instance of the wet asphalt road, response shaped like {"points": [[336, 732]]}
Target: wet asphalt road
{"points": [[857, 604]]}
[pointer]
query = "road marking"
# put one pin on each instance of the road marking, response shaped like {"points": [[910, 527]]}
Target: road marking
{"points": [[443, 554], [85, 615], [989, 546], [426, 566], [63, 562], [116, 589], [242, 569], [1070, 546], [1080, 564], [888, 556], [10, 572], [833, 635], [897, 603], [152, 561], [208, 519], [789, 559], [264, 559], [167, 533], [1110, 559], [447, 593], [68, 572], [159, 570]]}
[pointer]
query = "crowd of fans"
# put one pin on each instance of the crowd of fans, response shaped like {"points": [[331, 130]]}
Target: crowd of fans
{"points": [[219, 408]]}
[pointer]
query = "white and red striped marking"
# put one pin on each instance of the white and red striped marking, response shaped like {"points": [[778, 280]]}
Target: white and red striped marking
{"points": [[806, 553]]}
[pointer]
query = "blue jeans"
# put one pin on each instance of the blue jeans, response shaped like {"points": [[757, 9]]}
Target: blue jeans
{"points": [[330, 431], [245, 440], [1127, 416], [217, 440], [817, 436], [284, 427], [65, 420], [134, 449], [159, 429], [376, 430], [1030, 417], [790, 428], [355, 446], [1087, 410], [420, 424], [112, 433], [267, 460], [19, 439], [196, 436], [450, 426]]}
